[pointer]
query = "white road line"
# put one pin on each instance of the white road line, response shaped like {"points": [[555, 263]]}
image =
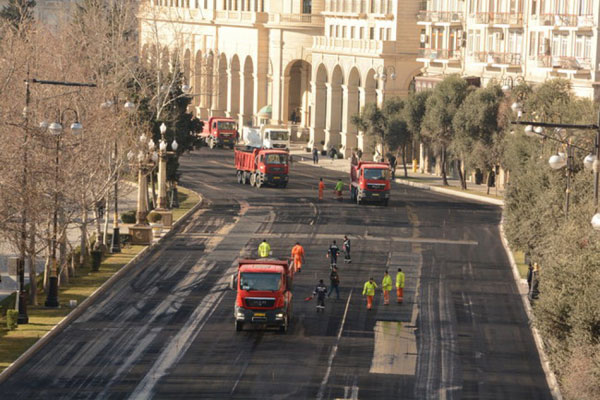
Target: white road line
{"points": [[334, 351], [181, 342]]}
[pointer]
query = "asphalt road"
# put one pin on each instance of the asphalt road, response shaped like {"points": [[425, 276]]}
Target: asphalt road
{"points": [[166, 329]]}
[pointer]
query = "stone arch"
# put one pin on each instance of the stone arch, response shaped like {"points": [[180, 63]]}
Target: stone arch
{"points": [[351, 107], [319, 104], [297, 76], [335, 108], [222, 84], [247, 98], [198, 72], [370, 87], [187, 61], [233, 88], [368, 95], [208, 81]]}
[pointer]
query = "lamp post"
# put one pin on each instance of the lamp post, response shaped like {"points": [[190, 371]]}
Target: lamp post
{"points": [[56, 130], [162, 206], [115, 242], [557, 161], [146, 160], [21, 299]]}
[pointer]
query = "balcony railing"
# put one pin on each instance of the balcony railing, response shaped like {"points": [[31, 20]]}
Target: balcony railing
{"points": [[240, 16], [501, 18], [568, 62], [565, 20], [440, 16], [355, 46], [440, 54], [296, 19], [491, 57], [354, 6]]}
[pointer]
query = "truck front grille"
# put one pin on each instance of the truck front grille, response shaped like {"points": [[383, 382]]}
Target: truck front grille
{"points": [[263, 302], [375, 186]]}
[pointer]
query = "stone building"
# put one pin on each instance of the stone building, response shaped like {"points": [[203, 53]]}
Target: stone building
{"points": [[316, 62]]}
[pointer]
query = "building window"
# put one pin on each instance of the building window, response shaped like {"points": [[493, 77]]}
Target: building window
{"points": [[362, 32], [330, 30], [381, 33], [307, 6], [388, 34], [344, 31], [372, 33], [352, 33]]}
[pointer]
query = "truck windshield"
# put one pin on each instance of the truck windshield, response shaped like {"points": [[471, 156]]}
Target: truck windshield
{"points": [[279, 135], [259, 281], [372, 173], [276, 159], [227, 125]]}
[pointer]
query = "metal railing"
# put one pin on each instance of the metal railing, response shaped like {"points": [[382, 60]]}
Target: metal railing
{"points": [[493, 57], [504, 18], [440, 54], [308, 19], [364, 46]]}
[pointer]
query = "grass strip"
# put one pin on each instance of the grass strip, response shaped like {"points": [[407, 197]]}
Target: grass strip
{"points": [[82, 285]]}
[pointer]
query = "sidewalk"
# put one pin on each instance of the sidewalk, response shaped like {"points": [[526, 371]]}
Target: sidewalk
{"points": [[8, 285]]}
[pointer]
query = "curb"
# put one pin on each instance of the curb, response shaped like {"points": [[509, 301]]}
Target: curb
{"points": [[470, 196], [63, 324]]}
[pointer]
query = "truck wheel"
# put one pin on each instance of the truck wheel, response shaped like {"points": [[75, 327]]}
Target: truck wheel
{"points": [[239, 325], [240, 178], [252, 179], [258, 183], [358, 200], [284, 327], [211, 143]]}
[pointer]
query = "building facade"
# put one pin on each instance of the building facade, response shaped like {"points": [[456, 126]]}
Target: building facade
{"points": [[508, 41], [315, 62]]}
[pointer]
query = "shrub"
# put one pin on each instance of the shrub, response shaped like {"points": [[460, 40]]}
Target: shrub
{"points": [[128, 217], [154, 217], [11, 319]]}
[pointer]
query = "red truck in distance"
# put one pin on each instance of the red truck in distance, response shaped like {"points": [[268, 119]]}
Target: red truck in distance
{"points": [[219, 132], [370, 182], [262, 166], [264, 293]]}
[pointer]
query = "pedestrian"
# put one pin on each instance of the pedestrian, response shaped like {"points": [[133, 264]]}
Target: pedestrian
{"points": [[298, 256], [332, 153], [535, 282], [359, 154], [332, 254], [529, 276], [369, 291], [264, 249], [321, 188], [400, 286], [293, 117], [393, 163], [320, 291], [386, 286], [339, 186], [354, 159], [315, 154], [346, 249], [334, 283]]}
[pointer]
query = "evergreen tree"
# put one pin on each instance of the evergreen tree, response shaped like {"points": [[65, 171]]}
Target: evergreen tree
{"points": [[18, 12]]}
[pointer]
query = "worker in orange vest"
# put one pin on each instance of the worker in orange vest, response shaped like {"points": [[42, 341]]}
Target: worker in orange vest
{"points": [[321, 188], [298, 256]]}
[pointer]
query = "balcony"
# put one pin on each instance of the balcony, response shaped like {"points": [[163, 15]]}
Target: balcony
{"points": [[501, 18], [244, 17], [299, 20], [567, 21], [346, 7], [353, 46], [498, 59], [447, 17], [439, 55]]}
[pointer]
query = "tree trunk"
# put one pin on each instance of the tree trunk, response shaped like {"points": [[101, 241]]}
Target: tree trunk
{"points": [[404, 161], [443, 166], [487, 181], [83, 247], [106, 214], [32, 267], [462, 176]]}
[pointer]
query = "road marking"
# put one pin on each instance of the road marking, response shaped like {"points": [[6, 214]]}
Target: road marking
{"points": [[334, 351], [328, 236], [181, 342]]}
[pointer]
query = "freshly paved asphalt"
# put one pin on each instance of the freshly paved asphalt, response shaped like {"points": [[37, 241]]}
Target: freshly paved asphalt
{"points": [[166, 329]]}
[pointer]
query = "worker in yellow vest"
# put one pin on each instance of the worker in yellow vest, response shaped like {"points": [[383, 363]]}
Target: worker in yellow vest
{"points": [[386, 286], [264, 249], [400, 286], [369, 291]]}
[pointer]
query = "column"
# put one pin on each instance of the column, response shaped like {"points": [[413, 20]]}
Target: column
{"points": [[305, 99], [246, 98], [317, 123], [349, 138], [285, 100], [334, 111]]}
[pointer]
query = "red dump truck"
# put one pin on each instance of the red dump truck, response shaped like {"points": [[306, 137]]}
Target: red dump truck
{"points": [[262, 166], [264, 293], [370, 182], [219, 132]]}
